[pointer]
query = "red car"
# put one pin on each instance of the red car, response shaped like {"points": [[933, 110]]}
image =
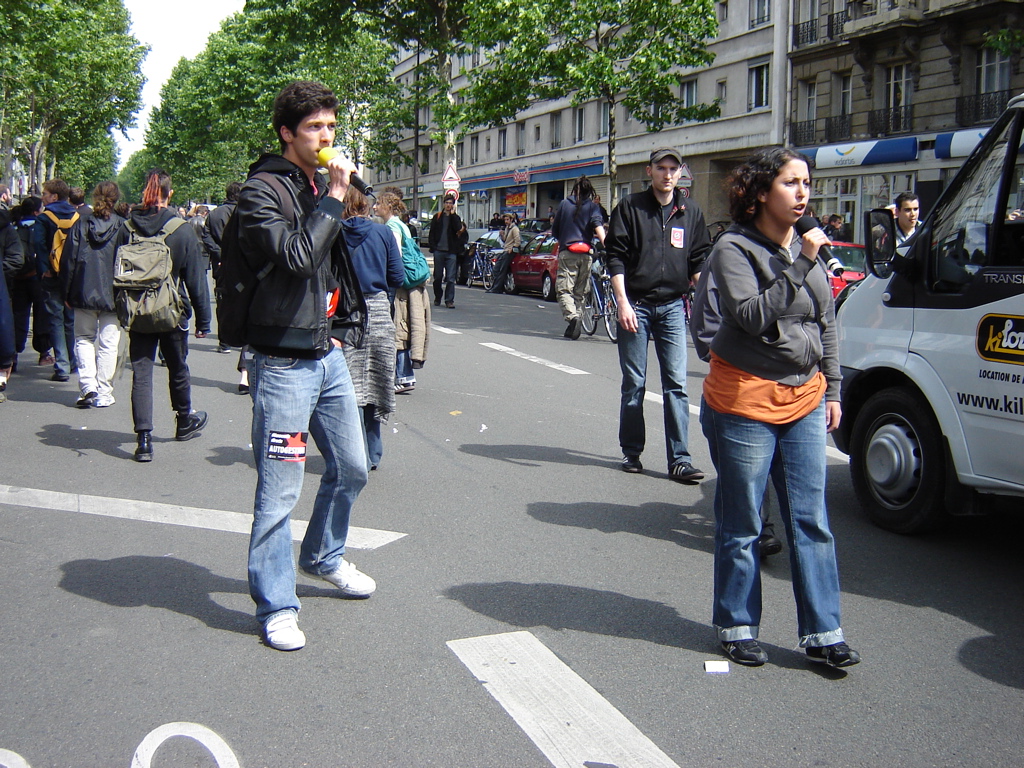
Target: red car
{"points": [[847, 265], [536, 268]]}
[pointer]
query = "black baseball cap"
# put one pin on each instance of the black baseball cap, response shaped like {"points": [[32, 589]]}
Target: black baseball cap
{"points": [[662, 152]]}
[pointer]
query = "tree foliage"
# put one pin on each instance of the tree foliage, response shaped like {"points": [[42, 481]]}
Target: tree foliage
{"points": [[70, 72]]}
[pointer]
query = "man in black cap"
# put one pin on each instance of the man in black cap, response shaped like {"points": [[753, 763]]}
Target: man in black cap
{"points": [[657, 244]]}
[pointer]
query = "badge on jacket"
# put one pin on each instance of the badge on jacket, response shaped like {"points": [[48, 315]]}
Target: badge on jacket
{"points": [[677, 237]]}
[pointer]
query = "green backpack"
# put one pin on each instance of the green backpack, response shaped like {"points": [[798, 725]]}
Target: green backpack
{"points": [[416, 268], [147, 297]]}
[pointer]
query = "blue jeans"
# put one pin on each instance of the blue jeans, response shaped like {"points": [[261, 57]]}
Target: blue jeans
{"points": [[666, 324], [404, 372], [62, 325], [745, 452], [444, 275], [371, 433], [292, 399]]}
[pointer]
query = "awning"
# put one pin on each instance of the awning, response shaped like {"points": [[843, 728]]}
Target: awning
{"points": [[958, 143], [863, 153], [593, 166]]}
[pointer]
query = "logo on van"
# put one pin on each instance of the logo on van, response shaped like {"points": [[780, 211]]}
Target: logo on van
{"points": [[1001, 339]]}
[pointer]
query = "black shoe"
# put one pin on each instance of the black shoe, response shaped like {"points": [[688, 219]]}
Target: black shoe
{"points": [[190, 425], [575, 328], [450, 304], [60, 377], [224, 350], [746, 652], [570, 329], [88, 400], [144, 450], [632, 465], [768, 545], [243, 389], [837, 655], [417, 364], [437, 302], [685, 472]]}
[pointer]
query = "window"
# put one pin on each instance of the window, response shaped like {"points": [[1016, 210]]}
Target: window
{"points": [[606, 115], [460, 153], [760, 12], [993, 71], [688, 93], [474, 150], [503, 142], [579, 124], [556, 130], [536, 133], [758, 85], [723, 12], [844, 89], [897, 86], [807, 107], [521, 138], [721, 91], [487, 149]]}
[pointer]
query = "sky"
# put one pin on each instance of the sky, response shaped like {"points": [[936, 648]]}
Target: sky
{"points": [[171, 31]]}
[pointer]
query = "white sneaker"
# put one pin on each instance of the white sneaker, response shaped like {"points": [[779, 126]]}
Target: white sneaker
{"points": [[282, 632], [103, 401], [351, 581]]}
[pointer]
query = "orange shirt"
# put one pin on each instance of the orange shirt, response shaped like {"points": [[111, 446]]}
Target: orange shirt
{"points": [[727, 389]]}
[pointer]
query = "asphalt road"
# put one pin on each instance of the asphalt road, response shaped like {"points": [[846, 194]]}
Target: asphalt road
{"points": [[541, 607]]}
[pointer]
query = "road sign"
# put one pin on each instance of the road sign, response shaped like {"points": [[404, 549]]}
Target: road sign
{"points": [[450, 177], [452, 192], [684, 172]]}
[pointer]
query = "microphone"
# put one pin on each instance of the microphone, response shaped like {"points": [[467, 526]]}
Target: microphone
{"points": [[804, 225], [327, 154]]}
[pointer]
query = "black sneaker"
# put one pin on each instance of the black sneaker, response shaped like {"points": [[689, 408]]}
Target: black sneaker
{"points": [[60, 377], [837, 655], [768, 545], [685, 472], [632, 465], [745, 652], [88, 400], [190, 425]]}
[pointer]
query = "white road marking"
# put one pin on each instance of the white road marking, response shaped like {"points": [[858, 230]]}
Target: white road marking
{"points": [[10, 759], [570, 722], [442, 329], [540, 360], [218, 748], [171, 514]]}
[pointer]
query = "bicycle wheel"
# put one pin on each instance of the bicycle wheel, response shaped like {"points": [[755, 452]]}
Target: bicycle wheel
{"points": [[587, 317], [487, 273], [611, 316], [473, 273]]}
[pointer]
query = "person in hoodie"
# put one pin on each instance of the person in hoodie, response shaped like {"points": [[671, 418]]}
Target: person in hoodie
{"points": [[304, 311], [578, 221], [87, 275], [61, 317], [188, 268], [770, 397], [380, 271], [12, 258], [25, 290]]}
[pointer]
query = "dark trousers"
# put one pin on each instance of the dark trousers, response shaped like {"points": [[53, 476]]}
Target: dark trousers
{"points": [[27, 305], [6, 328], [500, 273], [142, 350]]}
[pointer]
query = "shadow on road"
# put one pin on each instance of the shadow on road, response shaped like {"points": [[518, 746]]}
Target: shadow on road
{"points": [[535, 455]]}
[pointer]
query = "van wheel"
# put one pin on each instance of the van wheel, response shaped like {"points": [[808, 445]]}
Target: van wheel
{"points": [[898, 463]]}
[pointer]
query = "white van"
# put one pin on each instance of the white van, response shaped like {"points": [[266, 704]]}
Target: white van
{"points": [[931, 345]]}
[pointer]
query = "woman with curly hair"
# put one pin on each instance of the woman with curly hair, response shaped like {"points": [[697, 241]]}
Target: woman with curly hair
{"points": [[770, 398]]}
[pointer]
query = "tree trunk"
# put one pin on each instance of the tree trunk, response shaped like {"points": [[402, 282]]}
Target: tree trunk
{"points": [[613, 162]]}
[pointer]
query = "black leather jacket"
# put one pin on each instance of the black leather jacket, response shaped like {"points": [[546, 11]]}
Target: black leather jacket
{"points": [[288, 316]]}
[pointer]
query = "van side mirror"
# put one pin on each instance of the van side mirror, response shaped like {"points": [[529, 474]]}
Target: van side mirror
{"points": [[880, 241]]}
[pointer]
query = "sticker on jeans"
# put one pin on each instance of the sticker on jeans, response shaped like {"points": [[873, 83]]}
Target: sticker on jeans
{"points": [[287, 446], [677, 237]]}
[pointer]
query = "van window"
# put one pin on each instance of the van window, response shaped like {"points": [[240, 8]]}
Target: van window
{"points": [[965, 222]]}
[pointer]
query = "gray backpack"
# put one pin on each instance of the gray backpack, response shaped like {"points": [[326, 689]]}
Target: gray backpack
{"points": [[147, 297]]}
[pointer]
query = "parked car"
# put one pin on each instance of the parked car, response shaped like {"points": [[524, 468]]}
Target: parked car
{"points": [[533, 226], [851, 257], [536, 268]]}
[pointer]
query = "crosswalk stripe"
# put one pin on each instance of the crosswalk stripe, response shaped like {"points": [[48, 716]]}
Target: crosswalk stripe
{"points": [[569, 721], [171, 514], [533, 359], [442, 329]]}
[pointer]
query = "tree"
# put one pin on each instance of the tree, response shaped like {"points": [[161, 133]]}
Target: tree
{"points": [[89, 164], [633, 52], [132, 178]]}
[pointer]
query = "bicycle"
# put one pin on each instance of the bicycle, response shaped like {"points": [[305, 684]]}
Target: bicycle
{"points": [[600, 303], [482, 269]]}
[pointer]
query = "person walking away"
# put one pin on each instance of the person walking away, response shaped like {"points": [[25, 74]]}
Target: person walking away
{"points": [[24, 288], [770, 398], [577, 221], [443, 242], [303, 312], [377, 262], [213, 233], [412, 307], [656, 246], [87, 278], [53, 225], [12, 258], [188, 273], [511, 242]]}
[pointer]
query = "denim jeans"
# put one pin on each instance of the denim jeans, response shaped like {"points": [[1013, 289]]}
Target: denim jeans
{"points": [[62, 325], [444, 275], [745, 452], [404, 372], [371, 433], [666, 324], [293, 398]]}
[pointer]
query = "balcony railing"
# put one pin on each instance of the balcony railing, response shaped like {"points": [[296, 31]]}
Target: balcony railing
{"points": [[835, 24], [837, 128], [805, 33], [983, 108], [802, 133], [882, 122]]}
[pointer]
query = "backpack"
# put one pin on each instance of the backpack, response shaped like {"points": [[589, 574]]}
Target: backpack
{"points": [[147, 298], [59, 238], [237, 278], [416, 269]]}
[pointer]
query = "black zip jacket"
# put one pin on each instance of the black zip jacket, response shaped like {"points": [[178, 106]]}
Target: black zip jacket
{"points": [[187, 260], [288, 316], [640, 246], [87, 269], [10, 250], [214, 231], [454, 227]]}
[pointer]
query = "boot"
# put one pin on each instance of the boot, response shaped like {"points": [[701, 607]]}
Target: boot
{"points": [[144, 450], [190, 425]]}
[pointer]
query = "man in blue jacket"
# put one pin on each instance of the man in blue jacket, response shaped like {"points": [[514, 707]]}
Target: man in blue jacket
{"points": [[307, 306], [56, 208], [656, 245]]}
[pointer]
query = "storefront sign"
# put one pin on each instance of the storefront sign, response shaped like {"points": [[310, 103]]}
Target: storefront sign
{"points": [[864, 153], [958, 143]]}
